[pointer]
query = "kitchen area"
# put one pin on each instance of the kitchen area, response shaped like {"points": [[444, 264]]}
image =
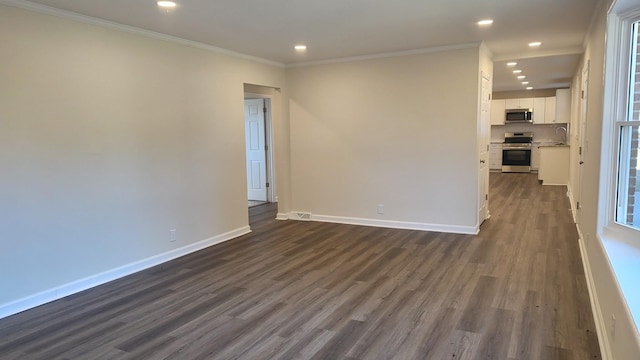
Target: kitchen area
{"points": [[531, 134]]}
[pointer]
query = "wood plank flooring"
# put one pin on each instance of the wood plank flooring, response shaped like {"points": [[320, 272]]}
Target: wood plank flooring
{"points": [[307, 290]]}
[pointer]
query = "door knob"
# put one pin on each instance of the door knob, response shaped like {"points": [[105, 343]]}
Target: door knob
{"points": [[481, 161], [581, 162]]}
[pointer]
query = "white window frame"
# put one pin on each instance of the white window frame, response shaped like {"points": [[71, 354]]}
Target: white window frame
{"points": [[615, 109], [622, 242]]}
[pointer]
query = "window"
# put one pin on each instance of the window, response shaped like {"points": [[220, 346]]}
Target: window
{"points": [[628, 126], [619, 202], [620, 215]]}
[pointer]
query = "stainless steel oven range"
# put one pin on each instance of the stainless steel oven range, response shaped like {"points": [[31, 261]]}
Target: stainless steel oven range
{"points": [[516, 152]]}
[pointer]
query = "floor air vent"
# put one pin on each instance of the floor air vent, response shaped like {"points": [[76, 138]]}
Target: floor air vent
{"points": [[302, 215]]}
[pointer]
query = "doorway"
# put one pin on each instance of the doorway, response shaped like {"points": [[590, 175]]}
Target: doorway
{"points": [[257, 111]]}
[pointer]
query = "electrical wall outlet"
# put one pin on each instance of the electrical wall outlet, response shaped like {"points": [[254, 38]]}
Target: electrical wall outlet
{"points": [[380, 208], [173, 236]]}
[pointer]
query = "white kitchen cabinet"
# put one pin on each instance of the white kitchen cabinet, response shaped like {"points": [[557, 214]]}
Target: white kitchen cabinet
{"points": [[563, 106], [495, 157], [550, 110], [520, 103], [497, 112], [554, 165], [535, 157], [539, 110]]}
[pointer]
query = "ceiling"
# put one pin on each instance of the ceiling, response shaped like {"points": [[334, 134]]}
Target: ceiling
{"points": [[334, 29]]}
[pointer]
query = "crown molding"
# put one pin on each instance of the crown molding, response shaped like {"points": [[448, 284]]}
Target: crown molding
{"points": [[539, 54], [435, 49], [48, 10]]}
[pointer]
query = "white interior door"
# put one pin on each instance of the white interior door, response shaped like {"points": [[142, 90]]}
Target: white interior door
{"points": [[256, 149], [484, 128]]}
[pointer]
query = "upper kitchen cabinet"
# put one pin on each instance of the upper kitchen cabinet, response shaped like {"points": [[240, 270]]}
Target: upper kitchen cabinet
{"points": [[521, 103], [497, 112], [563, 105], [539, 111], [550, 110]]}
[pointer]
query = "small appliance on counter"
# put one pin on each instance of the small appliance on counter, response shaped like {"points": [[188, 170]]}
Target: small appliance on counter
{"points": [[516, 152]]}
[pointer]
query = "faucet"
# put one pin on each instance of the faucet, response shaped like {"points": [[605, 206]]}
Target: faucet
{"points": [[564, 136]]}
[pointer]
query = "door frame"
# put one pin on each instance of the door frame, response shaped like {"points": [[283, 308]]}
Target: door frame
{"points": [[484, 136], [268, 134], [582, 144]]}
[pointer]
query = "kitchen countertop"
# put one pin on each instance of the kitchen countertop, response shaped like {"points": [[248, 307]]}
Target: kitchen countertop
{"points": [[550, 144], [539, 143]]}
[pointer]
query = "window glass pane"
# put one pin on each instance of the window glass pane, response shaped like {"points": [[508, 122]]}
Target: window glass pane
{"points": [[628, 209]]}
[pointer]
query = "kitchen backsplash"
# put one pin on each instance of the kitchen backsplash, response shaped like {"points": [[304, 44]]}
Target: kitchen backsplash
{"points": [[541, 133]]}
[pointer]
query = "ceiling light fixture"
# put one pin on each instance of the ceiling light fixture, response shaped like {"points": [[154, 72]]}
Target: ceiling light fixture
{"points": [[300, 47], [513, 63], [529, 87], [485, 22], [517, 71], [521, 77], [535, 44], [166, 4], [525, 83]]}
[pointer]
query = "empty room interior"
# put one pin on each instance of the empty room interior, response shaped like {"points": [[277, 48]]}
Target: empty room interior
{"points": [[447, 179]]}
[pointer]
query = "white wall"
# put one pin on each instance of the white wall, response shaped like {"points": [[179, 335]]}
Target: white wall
{"points": [[109, 139], [398, 131], [603, 282]]}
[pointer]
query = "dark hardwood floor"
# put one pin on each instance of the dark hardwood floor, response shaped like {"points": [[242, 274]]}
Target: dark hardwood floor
{"points": [[307, 290]]}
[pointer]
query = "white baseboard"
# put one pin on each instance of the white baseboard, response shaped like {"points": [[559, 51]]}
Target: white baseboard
{"points": [[598, 317], [472, 230], [59, 292], [282, 216], [572, 203]]}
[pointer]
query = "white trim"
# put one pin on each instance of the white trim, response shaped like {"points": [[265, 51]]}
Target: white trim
{"points": [[572, 204], [553, 184], [613, 103], [386, 55], [73, 287], [282, 216], [48, 10], [485, 49], [455, 229], [539, 54], [596, 308]]}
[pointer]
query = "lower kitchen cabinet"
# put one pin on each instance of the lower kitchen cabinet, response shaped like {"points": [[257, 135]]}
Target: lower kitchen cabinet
{"points": [[554, 165], [495, 157], [535, 157]]}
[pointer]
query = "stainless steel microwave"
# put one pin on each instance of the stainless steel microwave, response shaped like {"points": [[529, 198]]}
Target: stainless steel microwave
{"points": [[518, 116]]}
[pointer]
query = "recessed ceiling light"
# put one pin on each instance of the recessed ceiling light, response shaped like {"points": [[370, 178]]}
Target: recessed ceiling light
{"points": [[525, 83], [535, 44], [529, 87], [521, 77], [166, 4], [300, 47], [513, 63], [485, 22], [517, 71]]}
